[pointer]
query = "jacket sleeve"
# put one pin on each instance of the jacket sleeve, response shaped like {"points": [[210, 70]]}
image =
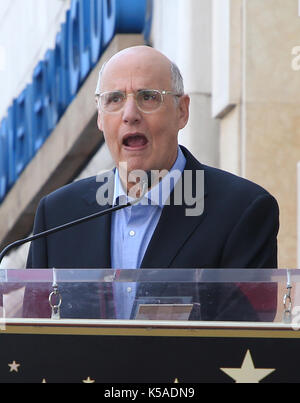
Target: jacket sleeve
{"points": [[253, 241], [37, 256]]}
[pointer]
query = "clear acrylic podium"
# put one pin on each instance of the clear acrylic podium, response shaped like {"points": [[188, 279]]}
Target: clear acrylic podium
{"points": [[179, 325]]}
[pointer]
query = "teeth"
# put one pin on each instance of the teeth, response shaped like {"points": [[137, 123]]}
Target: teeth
{"points": [[135, 141]]}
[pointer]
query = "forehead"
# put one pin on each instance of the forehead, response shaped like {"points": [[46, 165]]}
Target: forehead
{"points": [[137, 70]]}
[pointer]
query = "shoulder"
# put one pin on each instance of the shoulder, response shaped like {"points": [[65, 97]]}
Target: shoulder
{"points": [[78, 193], [77, 188], [228, 188], [71, 201], [238, 194], [219, 180]]}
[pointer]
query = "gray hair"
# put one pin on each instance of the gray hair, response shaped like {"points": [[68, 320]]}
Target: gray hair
{"points": [[176, 80], [97, 92]]}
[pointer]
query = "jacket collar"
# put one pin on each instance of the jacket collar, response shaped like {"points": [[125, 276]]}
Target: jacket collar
{"points": [[175, 225], [172, 231]]}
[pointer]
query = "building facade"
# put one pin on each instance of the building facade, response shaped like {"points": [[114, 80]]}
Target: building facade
{"points": [[241, 68]]}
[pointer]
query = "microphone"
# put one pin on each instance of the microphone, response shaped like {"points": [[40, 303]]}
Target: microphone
{"points": [[145, 182]]}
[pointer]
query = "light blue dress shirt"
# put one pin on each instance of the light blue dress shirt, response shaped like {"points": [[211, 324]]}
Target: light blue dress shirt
{"points": [[132, 229]]}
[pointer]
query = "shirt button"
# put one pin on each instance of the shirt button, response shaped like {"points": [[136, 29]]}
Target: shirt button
{"points": [[132, 233]]}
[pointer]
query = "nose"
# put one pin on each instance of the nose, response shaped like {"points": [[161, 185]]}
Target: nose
{"points": [[131, 113]]}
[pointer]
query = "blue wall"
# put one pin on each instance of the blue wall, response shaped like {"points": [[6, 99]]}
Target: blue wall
{"points": [[89, 28]]}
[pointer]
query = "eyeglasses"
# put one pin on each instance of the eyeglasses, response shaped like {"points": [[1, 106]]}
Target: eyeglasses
{"points": [[147, 101]]}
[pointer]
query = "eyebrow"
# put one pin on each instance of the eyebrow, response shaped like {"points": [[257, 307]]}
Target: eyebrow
{"points": [[140, 89]]}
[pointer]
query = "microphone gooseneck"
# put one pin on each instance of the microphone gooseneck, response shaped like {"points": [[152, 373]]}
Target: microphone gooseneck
{"points": [[51, 231]]}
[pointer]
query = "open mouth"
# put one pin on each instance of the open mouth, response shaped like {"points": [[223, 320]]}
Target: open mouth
{"points": [[135, 141]]}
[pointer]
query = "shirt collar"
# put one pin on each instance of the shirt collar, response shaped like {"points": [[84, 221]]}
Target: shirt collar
{"points": [[159, 193]]}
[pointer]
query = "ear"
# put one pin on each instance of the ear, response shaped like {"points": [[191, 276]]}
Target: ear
{"points": [[183, 111]]}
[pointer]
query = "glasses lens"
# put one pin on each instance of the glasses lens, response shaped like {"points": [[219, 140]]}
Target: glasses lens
{"points": [[149, 100], [112, 101]]}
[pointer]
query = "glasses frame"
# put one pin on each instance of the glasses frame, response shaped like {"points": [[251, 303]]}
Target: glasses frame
{"points": [[161, 92]]}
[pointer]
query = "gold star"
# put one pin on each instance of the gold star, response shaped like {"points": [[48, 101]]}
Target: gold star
{"points": [[14, 367], [88, 380], [247, 373]]}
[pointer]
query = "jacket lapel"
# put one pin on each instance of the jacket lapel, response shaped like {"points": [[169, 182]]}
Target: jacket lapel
{"points": [[175, 226], [173, 229], [96, 233]]}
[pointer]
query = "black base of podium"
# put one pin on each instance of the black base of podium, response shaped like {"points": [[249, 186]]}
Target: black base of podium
{"points": [[194, 358]]}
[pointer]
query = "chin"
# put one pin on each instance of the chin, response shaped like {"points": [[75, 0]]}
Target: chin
{"points": [[137, 165]]}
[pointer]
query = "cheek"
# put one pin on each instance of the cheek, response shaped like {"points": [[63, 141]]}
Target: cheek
{"points": [[165, 123], [111, 143], [164, 133], [110, 131], [99, 122]]}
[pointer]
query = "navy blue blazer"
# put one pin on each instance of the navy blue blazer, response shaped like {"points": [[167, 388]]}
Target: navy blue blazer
{"points": [[238, 229]]}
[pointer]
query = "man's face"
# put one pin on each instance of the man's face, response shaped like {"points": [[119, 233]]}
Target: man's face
{"points": [[143, 140]]}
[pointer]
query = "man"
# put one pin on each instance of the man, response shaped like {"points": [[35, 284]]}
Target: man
{"points": [[141, 109]]}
